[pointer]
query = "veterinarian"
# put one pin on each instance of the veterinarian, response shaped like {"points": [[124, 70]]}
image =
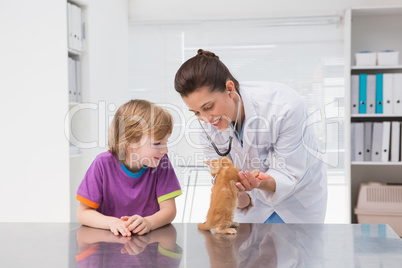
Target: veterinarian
{"points": [[258, 125]]}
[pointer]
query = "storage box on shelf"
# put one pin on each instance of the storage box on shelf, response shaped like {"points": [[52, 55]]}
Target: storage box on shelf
{"points": [[381, 58], [388, 58], [380, 203], [366, 58]]}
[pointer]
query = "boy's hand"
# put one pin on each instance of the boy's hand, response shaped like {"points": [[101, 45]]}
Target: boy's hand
{"points": [[119, 226], [135, 245], [137, 224]]}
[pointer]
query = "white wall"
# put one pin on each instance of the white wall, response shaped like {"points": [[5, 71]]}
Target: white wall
{"points": [[145, 10], [108, 53], [105, 81], [34, 179]]}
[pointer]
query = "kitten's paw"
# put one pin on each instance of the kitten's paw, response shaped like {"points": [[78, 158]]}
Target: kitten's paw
{"points": [[225, 230], [230, 231], [203, 226], [255, 172], [234, 224]]}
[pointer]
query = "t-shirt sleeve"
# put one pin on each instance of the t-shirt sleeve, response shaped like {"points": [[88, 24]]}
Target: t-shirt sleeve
{"points": [[90, 190], [168, 185], [168, 258]]}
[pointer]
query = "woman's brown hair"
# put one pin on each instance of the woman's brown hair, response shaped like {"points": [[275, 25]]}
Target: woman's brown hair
{"points": [[135, 119], [204, 69]]}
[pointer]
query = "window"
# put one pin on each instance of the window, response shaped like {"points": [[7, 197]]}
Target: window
{"points": [[304, 53]]}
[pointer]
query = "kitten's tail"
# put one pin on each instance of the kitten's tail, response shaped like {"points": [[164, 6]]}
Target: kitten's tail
{"points": [[204, 226]]}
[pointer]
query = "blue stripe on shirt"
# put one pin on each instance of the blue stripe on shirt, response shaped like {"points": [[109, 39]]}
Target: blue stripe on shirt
{"points": [[131, 174]]}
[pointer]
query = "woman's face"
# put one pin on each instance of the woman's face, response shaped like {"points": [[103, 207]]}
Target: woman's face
{"points": [[216, 108]]}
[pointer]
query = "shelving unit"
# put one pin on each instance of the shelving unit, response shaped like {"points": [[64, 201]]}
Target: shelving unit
{"points": [[372, 29], [397, 67], [78, 117], [366, 163], [373, 116], [76, 53]]}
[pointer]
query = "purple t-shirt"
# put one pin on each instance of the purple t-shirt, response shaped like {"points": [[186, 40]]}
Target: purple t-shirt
{"points": [[105, 254], [110, 188]]}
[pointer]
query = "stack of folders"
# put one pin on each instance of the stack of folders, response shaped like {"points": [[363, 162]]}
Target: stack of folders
{"points": [[376, 94], [74, 80], [76, 27], [376, 141]]}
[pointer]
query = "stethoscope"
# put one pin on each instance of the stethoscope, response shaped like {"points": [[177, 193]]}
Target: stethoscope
{"points": [[231, 134]]}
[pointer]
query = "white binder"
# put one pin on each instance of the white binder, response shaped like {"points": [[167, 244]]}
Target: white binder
{"points": [[395, 140], [400, 142], [358, 141], [387, 91], [78, 80], [368, 130], [371, 91], [77, 27], [70, 29], [71, 80], [354, 90], [397, 87], [352, 142], [377, 142], [386, 135]]}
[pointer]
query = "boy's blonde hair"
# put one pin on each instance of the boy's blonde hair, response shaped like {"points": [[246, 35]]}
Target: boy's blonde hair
{"points": [[135, 119]]}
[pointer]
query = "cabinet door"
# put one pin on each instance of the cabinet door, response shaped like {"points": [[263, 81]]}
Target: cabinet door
{"points": [[337, 205]]}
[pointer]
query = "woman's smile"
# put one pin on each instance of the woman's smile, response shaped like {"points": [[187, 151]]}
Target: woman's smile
{"points": [[217, 122]]}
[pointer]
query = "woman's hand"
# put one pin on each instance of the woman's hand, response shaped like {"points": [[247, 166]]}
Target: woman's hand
{"points": [[251, 180], [248, 182], [137, 224], [267, 183], [243, 199]]}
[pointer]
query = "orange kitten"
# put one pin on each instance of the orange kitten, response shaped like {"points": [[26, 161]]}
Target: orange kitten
{"points": [[223, 197]]}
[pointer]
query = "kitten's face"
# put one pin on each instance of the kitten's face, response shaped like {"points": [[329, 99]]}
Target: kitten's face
{"points": [[216, 165]]}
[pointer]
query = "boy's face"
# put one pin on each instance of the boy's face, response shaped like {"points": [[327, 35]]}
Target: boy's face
{"points": [[146, 152]]}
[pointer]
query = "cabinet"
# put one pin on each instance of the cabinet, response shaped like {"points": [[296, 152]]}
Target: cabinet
{"points": [[370, 29]]}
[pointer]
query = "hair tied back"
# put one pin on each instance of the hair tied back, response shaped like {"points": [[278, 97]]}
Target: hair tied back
{"points": [[201, 52]]}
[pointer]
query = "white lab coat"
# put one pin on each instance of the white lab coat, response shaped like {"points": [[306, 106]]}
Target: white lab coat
{"points": [[277, 141], [282, 245]]}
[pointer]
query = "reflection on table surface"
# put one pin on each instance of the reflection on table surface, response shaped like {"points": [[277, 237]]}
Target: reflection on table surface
{"points": [[96, 247], [183, 245], [255, 245]]}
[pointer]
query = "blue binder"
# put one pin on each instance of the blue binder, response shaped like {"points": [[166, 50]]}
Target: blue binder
{"points": [[378, 94], [363, 94]]}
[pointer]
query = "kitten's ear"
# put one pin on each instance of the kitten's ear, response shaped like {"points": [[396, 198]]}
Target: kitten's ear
{"points": [[209, 163], [226, 160]]}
